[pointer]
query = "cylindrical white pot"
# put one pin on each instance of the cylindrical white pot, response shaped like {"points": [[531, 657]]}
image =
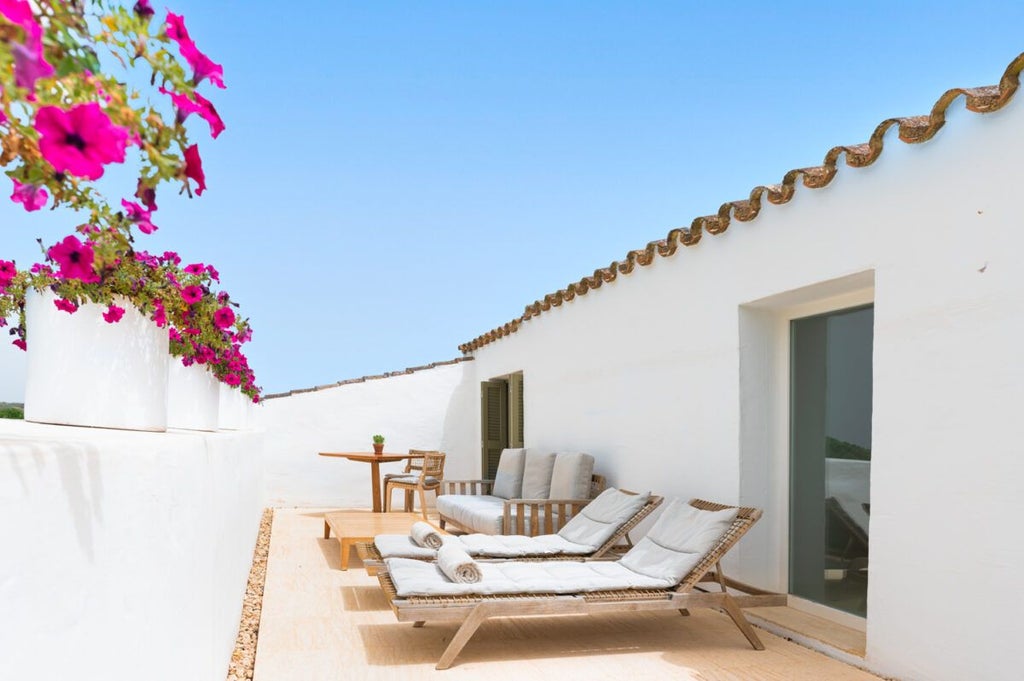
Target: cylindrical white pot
{"points": [[83, 371], [193, 397], [234, 408]]}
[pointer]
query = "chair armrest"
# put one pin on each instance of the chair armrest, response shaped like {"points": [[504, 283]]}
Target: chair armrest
{"points": [[539, 516], [479, 487]]}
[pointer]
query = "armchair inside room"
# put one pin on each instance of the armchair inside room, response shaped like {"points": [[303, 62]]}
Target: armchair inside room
{"points": [[428, 477]]}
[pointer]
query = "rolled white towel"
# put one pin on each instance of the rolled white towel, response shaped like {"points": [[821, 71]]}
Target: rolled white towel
{"points": [[457, 565], [425, 535]]}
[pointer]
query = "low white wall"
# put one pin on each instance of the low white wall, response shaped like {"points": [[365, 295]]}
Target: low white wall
{"points": [[675, 378], [125, 555], [424, 409]]}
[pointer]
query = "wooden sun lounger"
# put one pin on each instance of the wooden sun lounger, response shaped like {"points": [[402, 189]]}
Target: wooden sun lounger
{"points": [[473, 610], [373, 561]]}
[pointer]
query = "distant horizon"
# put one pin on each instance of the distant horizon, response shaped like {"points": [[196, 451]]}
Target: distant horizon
{"points": [[405, 178]]}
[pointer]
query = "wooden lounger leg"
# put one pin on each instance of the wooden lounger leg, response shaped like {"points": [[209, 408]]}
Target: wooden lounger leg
{"points": [[684, 612], [462, 636], [418, 624], [733, 611]]}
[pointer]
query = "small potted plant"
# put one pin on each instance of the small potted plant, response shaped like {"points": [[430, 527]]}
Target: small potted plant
{"points": [[378, 444]]}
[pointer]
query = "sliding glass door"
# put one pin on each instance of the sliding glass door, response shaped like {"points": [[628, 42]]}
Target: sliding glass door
{"points": [[830, 458]]}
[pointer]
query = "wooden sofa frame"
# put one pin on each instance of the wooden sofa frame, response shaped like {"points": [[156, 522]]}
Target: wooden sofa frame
{"points": [[530, 517]]}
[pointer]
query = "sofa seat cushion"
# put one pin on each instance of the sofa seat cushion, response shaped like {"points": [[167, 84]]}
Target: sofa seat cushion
{"points": [[475, 512]]}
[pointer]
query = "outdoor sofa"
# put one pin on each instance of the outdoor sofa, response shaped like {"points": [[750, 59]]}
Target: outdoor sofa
{"points": [[534, 492]]}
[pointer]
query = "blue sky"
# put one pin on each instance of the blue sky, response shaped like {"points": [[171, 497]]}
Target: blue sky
{"points": [[398, 178]]}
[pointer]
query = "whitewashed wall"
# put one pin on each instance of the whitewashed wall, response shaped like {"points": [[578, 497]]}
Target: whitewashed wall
{"points": [[124, 554], [646, 375], [426, 409]]}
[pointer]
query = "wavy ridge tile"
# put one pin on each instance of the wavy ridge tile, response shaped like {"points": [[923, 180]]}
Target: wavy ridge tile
{"points": [[912, 130]]}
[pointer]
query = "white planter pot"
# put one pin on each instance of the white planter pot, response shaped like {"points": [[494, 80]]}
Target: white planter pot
{"points": [[193, 397], [234, 408], [82, 371]]}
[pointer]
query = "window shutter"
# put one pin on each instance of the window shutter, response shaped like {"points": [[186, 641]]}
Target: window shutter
{"points": [[493, 424]]}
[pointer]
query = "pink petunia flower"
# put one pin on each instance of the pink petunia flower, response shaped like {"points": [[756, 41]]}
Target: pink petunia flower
{"points": [[139, 216], [19, 343], [198, 105], [65, 305], [232, 379], [30, 65], [146, 194], [196, 268], [81, 140], [31, 196], [223, 318], [194, 168], [192, 331], [202, 66], [113, 314], [171, 257], [18, 12], [7, 272], [146, 259], [74, 258], [192, 294], [214, 274], [174, 334], [159, 313], [143, 9], [176, 30]]}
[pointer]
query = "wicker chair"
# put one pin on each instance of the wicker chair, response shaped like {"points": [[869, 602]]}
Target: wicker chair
{"points": [[429, 478], [412, 469]]}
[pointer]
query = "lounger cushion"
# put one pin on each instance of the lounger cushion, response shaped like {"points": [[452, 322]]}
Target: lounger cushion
{"points": [[420, 578], [677, 542], [475, 512], [402, 545], [602, 517], [483, 546], [570, 476], [537, 474], [508, 481]]}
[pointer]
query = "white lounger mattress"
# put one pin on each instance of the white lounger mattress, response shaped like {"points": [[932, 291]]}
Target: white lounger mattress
{"points": [[483, 546], [419, 578]]}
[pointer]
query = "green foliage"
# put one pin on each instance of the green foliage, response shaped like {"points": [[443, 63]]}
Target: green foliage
{"points": [[378, 439], [840, 449], [11, 413]]}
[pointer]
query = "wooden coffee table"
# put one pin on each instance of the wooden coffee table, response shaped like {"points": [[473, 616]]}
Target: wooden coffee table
{"points": [[352, 527]]}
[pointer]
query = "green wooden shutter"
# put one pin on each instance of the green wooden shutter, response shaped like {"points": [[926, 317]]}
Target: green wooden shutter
{"points": [[493, 424], [516, 412]]}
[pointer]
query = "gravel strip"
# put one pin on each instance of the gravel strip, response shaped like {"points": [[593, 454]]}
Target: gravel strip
{"points": [[243, 660]]}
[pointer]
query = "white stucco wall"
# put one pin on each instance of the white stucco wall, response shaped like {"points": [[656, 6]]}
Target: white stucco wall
{"points": [[125, 555], [645, 374], [425, 409]]}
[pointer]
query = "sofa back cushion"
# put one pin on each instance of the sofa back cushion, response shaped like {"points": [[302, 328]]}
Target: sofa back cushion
{"points": [[570, 476], [678, 541], [508, 481], [537, 474]]}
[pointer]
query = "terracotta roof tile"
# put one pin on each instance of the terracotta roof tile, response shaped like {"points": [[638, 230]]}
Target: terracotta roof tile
{"points": [[912, 130]]}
